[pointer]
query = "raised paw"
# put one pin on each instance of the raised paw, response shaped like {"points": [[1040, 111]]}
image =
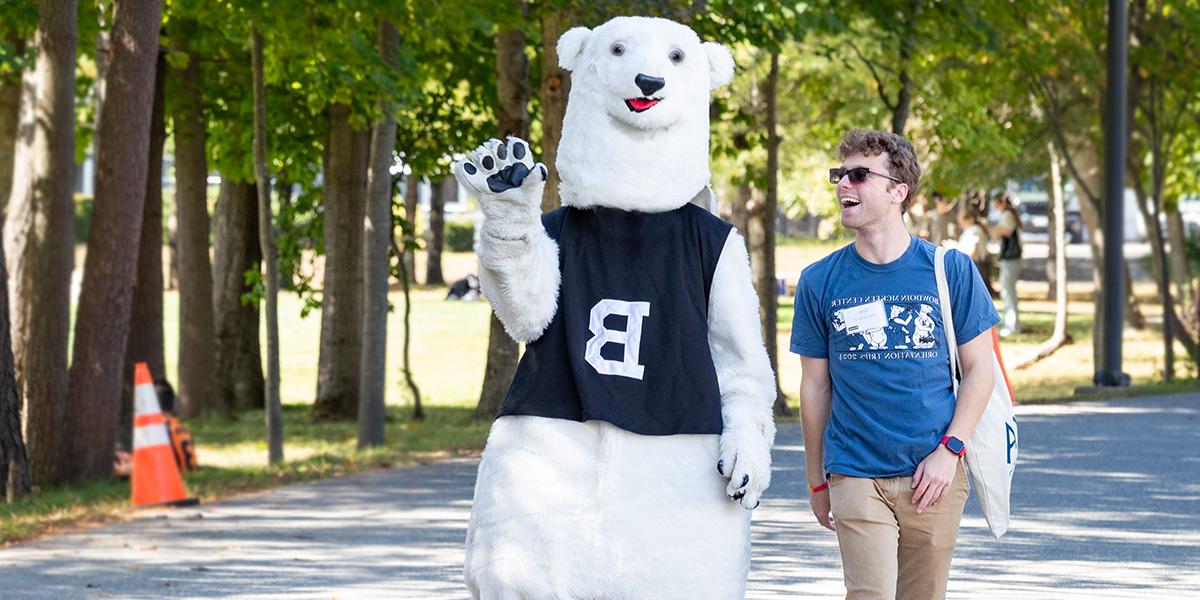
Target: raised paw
{"points": [[503, 170], [746, 462]]}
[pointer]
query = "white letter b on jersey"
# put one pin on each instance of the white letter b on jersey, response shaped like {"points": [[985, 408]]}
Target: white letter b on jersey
{"points": [[631, 338]]}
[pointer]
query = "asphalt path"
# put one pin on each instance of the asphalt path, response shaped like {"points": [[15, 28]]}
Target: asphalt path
{"points": [[1106, 505]]}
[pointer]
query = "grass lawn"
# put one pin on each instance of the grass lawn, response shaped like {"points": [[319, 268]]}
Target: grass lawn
{"points": [[448, 351]]}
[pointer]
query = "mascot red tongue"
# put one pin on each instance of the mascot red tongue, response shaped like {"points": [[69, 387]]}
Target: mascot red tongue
{"points": [[641, 104], [635, 439]]}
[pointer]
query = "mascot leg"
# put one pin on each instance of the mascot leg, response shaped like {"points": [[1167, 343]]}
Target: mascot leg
{"points": [[527, 537], [587, 510], [674, 533]]}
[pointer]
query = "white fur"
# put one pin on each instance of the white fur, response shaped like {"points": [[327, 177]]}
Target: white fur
{"points": [[653, 161], [720, 64], [587, 510], [518, 262], [570, 46], [743, 373]]}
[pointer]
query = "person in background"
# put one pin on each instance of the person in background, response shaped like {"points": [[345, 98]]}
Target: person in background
{"points": [[942, 219], [181, 438], [972, 241], [920, 217], [1008, 229]]}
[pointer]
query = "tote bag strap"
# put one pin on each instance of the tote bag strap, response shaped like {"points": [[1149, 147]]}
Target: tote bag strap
{"points": [[943, 287]]}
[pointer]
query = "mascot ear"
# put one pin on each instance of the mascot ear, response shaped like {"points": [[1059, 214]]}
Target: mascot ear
{"points": [[720, 64], [570, 46]]}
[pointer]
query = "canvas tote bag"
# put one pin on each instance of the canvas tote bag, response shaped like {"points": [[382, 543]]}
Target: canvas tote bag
{"points": [[992, 449]]}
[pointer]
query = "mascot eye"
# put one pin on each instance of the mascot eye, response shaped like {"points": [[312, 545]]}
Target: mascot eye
{"points": [[618, 49], [676, 56]]}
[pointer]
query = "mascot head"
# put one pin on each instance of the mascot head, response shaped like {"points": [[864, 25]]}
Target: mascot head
{"points": [[635, 134]]}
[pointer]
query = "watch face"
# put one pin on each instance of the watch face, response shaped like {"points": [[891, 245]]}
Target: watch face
{"points": [[955, 445]]}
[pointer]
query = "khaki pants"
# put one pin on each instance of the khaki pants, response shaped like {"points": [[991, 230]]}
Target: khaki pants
{"points": [[889, 551]]}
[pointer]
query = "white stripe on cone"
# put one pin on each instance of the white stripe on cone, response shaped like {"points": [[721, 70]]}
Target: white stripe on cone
{"points": [[150, 435], [146, 400]]}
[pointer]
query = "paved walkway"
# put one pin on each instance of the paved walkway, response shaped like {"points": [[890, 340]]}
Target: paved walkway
{"points": [[1107, 506]]}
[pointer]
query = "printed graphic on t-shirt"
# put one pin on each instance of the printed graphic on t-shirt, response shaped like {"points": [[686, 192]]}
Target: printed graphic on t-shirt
{"points": [[887, 327]]}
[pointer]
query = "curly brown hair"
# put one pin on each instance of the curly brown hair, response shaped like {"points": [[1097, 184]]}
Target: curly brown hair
{"points": [[901, 158]]}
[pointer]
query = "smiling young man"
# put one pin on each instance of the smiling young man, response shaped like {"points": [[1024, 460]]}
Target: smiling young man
{"points": [[883, 433]]}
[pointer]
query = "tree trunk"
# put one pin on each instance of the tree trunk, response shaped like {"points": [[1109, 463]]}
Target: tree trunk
{"points": [[904, 95], [197, 357], [1178, 259], [377, 237], [341, 303], [266, 239], [739, 214], [14, 462], [1084, 165], [1061, 295], [556, 87], [1052, 248], [172, 232], [412, 185], [145, 342], [418, 410], [503, 352], [437, 231], [1058, 243], [10, 118], [1163, 279], [284, 221], [765, 282], [512, 78], [103, 59], [39, 237], [502, 357], [240, 384], [102, 317]]}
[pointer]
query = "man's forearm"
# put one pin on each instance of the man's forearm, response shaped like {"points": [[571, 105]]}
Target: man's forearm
{"points": [[814, 417], [973, 394]]}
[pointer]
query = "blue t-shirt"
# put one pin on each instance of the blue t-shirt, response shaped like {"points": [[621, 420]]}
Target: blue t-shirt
{"points": [[880, 327]]}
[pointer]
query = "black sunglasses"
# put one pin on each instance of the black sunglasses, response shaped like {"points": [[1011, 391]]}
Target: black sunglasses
{"points": [[857, 175]]}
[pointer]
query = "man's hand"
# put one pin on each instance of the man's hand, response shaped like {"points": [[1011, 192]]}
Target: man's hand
{"points": [[820, 508], [933, 477]]}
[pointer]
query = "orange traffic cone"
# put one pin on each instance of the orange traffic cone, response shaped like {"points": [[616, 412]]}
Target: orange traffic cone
{"points": [[156, 479]]}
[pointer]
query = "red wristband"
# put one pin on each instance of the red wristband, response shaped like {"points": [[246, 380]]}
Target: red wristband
{"points": [[820, 488]]}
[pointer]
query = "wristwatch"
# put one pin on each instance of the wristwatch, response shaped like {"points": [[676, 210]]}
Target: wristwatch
{"points": [[954, 445]]}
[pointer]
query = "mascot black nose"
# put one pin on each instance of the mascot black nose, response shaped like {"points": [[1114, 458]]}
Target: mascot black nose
{"points": [[649, 84]]}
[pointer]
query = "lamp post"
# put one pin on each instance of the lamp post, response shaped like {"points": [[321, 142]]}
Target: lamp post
{"points": [[1115, 142]]}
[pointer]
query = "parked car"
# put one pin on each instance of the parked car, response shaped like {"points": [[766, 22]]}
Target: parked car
{"points": [[1036, 220]]}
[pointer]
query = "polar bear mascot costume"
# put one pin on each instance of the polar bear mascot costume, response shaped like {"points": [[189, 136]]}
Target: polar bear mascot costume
{"points": [[635, 439]]}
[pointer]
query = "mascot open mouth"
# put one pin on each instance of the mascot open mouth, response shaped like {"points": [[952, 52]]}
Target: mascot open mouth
{"points": [[638, 105]]}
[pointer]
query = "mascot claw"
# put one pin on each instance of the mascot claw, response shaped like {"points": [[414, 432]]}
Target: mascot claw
{"points": [[746, 462], [503, 170]]}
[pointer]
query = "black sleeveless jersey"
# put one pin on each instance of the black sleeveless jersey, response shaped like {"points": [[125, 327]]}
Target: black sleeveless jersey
{"points": [[629, 341]]}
